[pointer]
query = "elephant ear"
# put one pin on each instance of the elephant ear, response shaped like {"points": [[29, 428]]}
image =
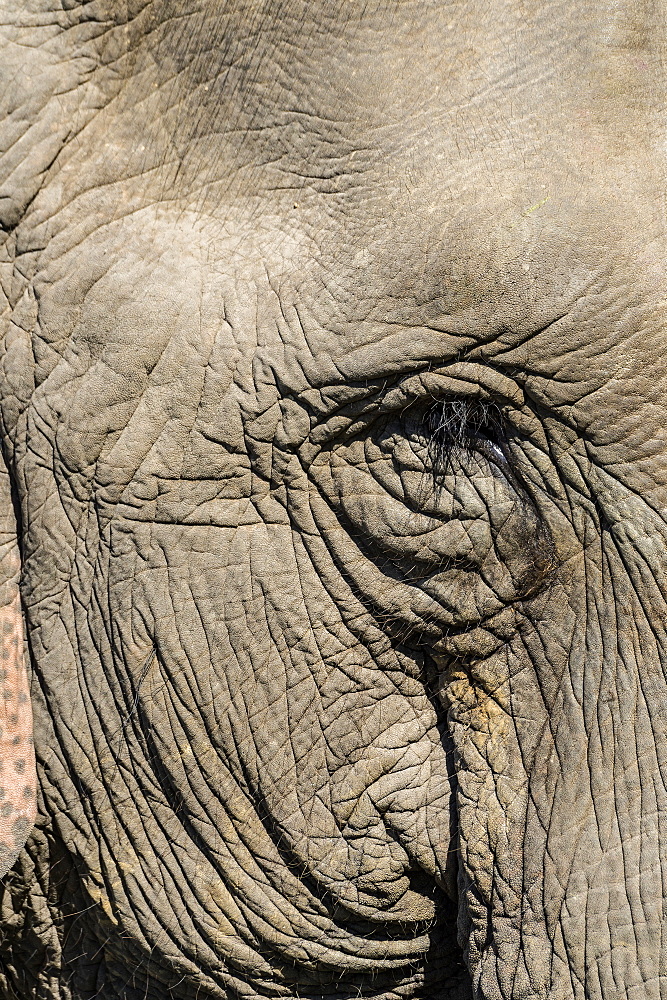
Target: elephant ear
{"points": [[17, 753]]}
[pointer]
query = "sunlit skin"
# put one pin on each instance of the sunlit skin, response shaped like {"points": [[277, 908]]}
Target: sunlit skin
{"points": [[333, 398]]}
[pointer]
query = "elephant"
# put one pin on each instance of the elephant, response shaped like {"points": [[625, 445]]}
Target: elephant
{"points": [[333, 395]]}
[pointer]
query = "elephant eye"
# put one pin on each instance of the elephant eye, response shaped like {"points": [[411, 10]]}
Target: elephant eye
{"points": [[457, 426]]}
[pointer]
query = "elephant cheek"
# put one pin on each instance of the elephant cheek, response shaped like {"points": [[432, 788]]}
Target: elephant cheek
{"points": [[17, 756]]}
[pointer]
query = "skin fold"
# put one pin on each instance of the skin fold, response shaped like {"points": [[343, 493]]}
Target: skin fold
{"points": [[332, 409]]}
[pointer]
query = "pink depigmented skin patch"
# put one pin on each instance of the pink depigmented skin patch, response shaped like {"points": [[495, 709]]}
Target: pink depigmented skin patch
{"points": [[17, 753]]}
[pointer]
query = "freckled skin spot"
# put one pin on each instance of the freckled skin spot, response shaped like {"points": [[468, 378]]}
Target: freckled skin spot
{"points": [[17, 761], [21, 828]]}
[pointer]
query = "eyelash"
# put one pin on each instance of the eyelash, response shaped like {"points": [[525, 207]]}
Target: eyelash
{"points": [[457, 426]]}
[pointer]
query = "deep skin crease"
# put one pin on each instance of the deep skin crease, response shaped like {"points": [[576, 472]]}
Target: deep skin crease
{"points": [[332, 396]]}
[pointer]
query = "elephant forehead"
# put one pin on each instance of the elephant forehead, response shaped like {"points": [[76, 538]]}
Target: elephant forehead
{"points": [[318, 95], [344, 104], [362, 62], [424, 155]]}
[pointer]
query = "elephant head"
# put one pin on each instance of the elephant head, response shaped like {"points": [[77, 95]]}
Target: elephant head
{"points": [[332, 402]]}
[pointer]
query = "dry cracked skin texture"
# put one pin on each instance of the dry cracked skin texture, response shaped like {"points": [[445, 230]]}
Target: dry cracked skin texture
{"points": [[332, 399]]}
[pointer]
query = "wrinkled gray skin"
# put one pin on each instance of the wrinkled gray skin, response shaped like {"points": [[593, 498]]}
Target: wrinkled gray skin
{"points": [[333, 393]]}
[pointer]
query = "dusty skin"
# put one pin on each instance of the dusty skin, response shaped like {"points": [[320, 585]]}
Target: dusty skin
{"points": [[333, 396]]}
